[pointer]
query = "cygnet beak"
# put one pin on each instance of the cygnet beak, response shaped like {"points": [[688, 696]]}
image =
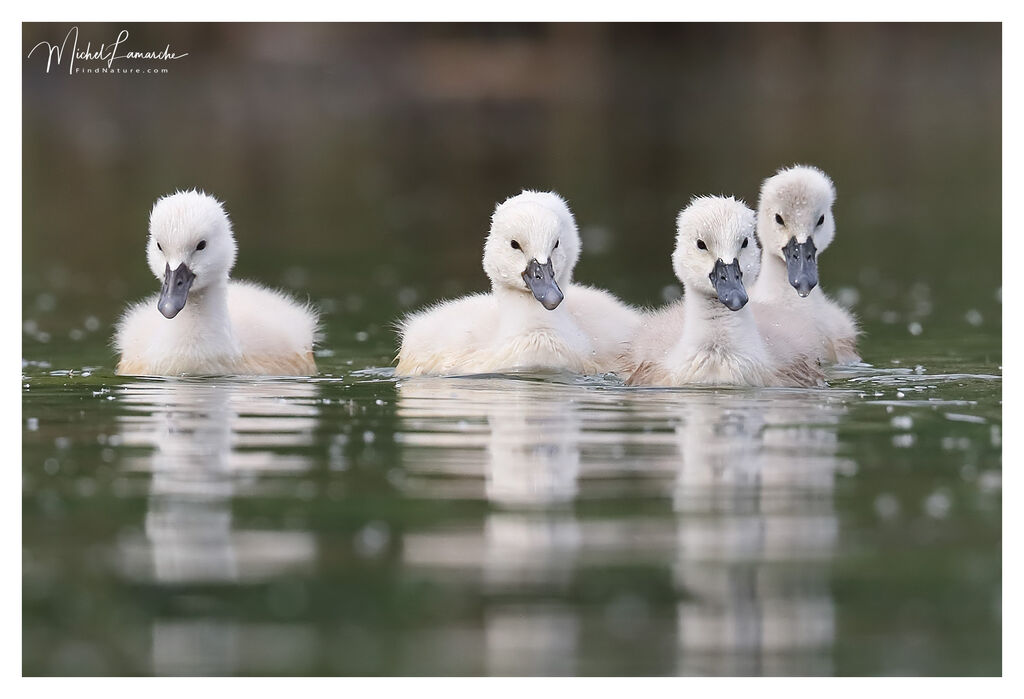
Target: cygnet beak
{"points": [[728, 282], [541, 280], [802, 265], [174, 290]]}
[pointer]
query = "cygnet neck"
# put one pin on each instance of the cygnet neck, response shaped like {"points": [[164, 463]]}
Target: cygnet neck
{"points": [[206, 311], [773, 283], [708, 320]]}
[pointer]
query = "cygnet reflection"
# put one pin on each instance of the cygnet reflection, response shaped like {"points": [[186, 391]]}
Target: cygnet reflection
{"points": [[520, 442], [209, 442], [756, 531]]}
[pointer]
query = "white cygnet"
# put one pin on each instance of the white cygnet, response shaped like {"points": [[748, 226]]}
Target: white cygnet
{"points": [[710, 336], [202, 322], [534, 317], [795, 224]]}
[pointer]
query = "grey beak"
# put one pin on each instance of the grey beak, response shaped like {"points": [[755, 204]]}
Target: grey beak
{"points": [[802, 265], [728, 282], [174, 290], [541, 280]]}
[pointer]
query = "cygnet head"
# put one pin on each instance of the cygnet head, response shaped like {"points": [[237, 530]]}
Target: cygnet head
{"points": [[190, 247], [533, 246], [716, 249], [795, 221]]}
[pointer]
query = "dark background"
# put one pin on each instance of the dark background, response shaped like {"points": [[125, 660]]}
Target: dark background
{"points": [[360, 163]]}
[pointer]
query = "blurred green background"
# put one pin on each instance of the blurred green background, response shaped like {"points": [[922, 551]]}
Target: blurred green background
{"points": [[361, 163], [352, 524]]}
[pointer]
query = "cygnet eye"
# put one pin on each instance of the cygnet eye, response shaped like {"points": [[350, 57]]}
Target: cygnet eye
{"points": [[556, 244], [159, 248], [202, 245], [745, 241], [515, 245], [821, 220], [778, 220], [701, 245]]}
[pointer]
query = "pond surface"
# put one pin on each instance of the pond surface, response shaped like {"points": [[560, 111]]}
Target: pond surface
{"points": [[524, 524], [353, 523]]}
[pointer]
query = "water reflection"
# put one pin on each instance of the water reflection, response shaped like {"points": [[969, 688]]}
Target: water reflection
{"points": [[207, 442], [749, 477], [756, 529], [520, 444]]}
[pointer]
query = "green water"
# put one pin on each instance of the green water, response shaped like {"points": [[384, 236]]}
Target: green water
{"points": [[539, 524]]}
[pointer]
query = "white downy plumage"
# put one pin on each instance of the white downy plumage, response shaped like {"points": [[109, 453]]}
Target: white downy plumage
{"points": [[202, 323], [796, 204], [710, 336], [534, 317]]}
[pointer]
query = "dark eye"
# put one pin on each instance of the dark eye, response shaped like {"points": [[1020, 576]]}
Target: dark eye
{"points": [[821, 220], [778, 220], [159, 248], [515, 245], [701, 245], [202, 245], [556, 243]]}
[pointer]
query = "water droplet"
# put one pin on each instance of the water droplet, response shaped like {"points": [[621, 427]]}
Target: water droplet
{"points": [[938, 504], [848, 296], [904, 441], [295, 277], [85, 486], [407, 296], [902, 422], [372, 539], [847, 467], [887, 505], [915, 328], [990, 481], [46, 301]]}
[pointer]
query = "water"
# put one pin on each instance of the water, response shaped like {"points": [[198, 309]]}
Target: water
{"points": [[506, 525], [353, 523]]}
